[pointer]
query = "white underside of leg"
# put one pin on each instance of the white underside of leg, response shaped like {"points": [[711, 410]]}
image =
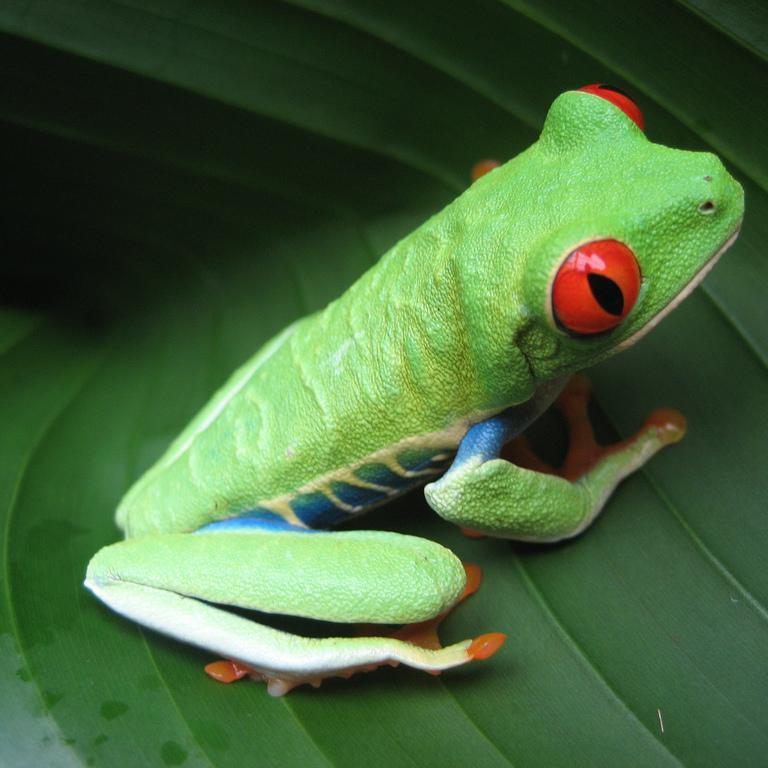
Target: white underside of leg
{"points": [[273, 653]]}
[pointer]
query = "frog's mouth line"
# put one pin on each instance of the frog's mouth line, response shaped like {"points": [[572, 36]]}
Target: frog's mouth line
{"points": [[684, 293]]}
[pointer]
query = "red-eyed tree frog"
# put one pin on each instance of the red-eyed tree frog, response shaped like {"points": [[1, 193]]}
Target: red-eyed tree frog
{"points": [[423, 371]]}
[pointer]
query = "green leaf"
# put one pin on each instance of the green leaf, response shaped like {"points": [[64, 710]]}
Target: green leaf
{"points": [[186, 178]]}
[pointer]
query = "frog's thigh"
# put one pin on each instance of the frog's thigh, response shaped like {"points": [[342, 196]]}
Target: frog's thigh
{"points": [[354, 576], [351, 576]]}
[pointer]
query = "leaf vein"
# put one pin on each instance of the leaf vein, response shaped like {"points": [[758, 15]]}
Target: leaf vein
{"points": [[538, 596]]}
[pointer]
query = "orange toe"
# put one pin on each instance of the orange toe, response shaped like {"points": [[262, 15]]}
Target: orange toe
{"points": [[484, 646], [670, 424], [226, 671], [423, 634], [474, 579]]}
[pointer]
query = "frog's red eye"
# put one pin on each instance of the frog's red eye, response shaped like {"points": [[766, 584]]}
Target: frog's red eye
{"points": [[596, 287], [619, 99]]}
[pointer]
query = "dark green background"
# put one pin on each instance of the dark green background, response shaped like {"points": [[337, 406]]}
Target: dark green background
{"points": [[182, 178]]}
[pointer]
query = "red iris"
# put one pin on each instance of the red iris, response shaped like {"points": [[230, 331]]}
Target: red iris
{"points": [[596, 287], [619, 99]]}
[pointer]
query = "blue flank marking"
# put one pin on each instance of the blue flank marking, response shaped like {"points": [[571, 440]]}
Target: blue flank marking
{"points": [[356, 496], [254, 521], [381, 474], [317, 510]]}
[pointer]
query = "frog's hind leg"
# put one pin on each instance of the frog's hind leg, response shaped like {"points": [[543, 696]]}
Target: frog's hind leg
{"points": [[176, 583], [424, 633], [529, 500]]}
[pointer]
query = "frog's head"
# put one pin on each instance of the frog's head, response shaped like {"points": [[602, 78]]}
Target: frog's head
{"points": [[619, 230]]}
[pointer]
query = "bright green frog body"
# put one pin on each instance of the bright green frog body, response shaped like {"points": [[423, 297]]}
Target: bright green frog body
{"points": [[452, 342]]}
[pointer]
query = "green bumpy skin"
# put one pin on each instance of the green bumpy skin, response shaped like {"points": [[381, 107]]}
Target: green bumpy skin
{"points": [[453, 326]]}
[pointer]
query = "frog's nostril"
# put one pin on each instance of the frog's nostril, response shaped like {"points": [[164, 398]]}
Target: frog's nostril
{"points": [[707, 207], [707, 178]]}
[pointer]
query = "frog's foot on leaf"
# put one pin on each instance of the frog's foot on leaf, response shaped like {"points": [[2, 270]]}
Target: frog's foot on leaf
{"points": [[422, 635], [584, 452], [512, 493], [224, 671]]}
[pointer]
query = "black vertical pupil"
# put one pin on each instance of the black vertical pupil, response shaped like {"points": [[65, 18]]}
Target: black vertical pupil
{"points": [[607, 294]]}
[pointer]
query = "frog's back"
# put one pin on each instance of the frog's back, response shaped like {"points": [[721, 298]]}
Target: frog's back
{"points": [[345, 407]]}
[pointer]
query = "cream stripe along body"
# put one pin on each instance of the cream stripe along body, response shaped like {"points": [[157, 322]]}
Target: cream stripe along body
{"points": [[447, 348]]}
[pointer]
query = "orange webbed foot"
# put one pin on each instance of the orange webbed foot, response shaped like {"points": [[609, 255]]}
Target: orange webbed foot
{"points": [[584, 452]]}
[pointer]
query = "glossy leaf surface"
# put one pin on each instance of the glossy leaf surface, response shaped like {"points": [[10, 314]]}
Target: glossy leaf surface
{"points": [[183, 179]]}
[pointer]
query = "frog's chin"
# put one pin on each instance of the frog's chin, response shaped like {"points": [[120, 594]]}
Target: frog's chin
{"points": [[684, 293]]}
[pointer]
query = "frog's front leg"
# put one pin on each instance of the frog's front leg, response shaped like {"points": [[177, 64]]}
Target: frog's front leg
{"points": [[172, 582], [485, 493]]}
